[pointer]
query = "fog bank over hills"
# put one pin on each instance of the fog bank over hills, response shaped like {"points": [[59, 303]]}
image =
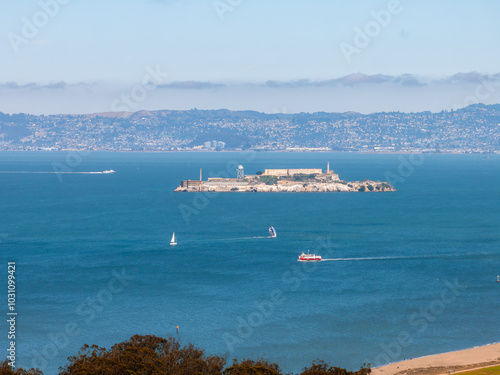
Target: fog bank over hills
{"points": [[354, 92]]}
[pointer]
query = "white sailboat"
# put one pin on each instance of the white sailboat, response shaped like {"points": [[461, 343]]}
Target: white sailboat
{"points": [[272, 232], [173, 241]]}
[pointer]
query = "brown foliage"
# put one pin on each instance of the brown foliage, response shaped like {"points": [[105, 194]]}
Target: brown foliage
{"points": [[249, 367], [152, 355], [322, 368], [144, 355], [5, 369]]}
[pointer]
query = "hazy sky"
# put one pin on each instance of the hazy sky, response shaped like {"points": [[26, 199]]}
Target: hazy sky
{"points": [[75, 56]]}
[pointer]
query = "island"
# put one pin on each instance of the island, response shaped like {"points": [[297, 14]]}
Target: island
{"points": [[283, 180]]}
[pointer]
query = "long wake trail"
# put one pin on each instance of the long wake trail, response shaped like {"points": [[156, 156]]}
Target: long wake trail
{"points": [[377, 258], [32, 172], [229, 239], [239, 238]]}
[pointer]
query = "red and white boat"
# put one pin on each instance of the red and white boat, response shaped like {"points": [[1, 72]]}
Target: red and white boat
{"points": [[309, 257]]}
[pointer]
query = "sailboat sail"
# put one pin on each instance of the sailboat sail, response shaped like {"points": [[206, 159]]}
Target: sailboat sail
{"points": [[173, 241], [272, 232]]}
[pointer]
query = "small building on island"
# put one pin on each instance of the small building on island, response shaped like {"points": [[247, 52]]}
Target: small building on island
{"points": [[190, 183]]}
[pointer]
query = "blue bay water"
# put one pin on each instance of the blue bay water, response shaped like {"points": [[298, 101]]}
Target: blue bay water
{"points": [[230, 289]]}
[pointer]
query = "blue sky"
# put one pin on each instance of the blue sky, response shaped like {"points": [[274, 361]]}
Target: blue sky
{"points": [[74, 56]]}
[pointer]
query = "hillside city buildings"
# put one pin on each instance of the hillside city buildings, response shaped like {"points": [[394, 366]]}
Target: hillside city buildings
{"points": [[475, 129]]}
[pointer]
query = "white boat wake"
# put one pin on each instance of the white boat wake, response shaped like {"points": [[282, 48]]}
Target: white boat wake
{"points": [[228, 239], [364, 258], [378, 258], [32, 172], [240, 238], [272, 234]]}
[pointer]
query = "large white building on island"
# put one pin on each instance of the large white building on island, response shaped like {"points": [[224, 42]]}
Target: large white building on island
{"points": [[298, 171]]}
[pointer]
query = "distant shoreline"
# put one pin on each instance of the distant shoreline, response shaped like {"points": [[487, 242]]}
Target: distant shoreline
{"points": [[437, 364], [280, 151]]}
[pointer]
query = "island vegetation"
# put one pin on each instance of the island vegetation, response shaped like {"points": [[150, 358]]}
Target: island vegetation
{"points": [[145, 355]]}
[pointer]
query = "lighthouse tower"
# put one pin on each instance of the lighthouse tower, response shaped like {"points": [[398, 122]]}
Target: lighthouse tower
{"points": [[240, 173]]}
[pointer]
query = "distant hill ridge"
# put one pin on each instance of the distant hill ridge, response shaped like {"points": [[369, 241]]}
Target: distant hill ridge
{"points": [[471, 129]]}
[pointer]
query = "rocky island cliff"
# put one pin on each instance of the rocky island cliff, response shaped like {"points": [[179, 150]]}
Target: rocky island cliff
{"points": [[284, 180]]}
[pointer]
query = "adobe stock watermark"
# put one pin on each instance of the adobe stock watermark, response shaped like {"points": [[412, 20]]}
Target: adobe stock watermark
{"points": [[73, 159], [261, 311], [201, 200], [420, 321], [482, 92], [31, 26], [406, 167], [87, 311], [372, 29], [221, 7], [138, 94]]}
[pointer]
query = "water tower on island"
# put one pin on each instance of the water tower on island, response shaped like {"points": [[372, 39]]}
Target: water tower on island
{"points": [[240, 173]]}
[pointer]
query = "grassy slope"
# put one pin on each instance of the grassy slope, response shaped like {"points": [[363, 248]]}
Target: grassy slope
{"points": [[486, 371]]}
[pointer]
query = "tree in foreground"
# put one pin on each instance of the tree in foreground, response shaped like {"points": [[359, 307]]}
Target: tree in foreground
{"points": [[250, 367], [143, 355], [322, 368], [152, 355], [5, 369]]}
